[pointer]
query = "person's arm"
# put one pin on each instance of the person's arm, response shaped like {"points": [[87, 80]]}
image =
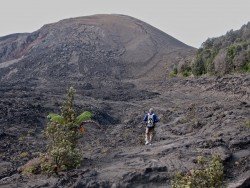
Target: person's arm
{"points": [[145, 118], [156, 119]]}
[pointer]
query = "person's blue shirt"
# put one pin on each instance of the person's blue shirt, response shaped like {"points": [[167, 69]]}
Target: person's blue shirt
{"points": [[155, 118]]}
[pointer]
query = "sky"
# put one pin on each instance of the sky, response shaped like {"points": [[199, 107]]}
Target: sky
{"points": [[190, 21]]}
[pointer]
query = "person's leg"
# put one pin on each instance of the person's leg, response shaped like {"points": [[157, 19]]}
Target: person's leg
{"points": [[151, 134], [147, 136]]}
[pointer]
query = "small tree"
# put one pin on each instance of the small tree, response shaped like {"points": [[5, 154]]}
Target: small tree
{"points": [[63, 132], [198, 66]]}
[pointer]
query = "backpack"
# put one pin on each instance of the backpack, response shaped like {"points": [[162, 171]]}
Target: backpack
{"points": [[150, 122]]}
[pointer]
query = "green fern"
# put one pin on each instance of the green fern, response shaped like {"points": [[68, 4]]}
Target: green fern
{"points": [[56, 118], [83, 117], [59, 119]]}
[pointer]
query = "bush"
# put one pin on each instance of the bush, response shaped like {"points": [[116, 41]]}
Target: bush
{"points": [[246, 67], [63, 133], [198, 66], [174, 72], [209, 175], [31, 167], [209, 64], [247, 123], [231, 52], [203, 62], [187, 71], [24, 154]]}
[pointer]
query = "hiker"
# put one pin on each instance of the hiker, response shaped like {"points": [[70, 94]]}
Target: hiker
{"points": [[150, 119]]}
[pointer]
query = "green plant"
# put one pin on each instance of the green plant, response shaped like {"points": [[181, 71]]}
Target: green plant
{"points": [[187, 72], [246, 67], [231, 51], [63, 133], [208, 175], [174, 72], [209, 65], [198, 66], [191, 112], [46, 164], [203, 63], [29, 170], [21, 138], [31, 167], [247, 123], [24, 154]]}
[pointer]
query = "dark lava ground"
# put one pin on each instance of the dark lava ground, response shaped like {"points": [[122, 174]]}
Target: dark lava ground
{"points": [[201, 116]]}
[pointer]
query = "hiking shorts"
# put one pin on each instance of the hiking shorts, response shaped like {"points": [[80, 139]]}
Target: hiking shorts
{"points": [[150, 130]]}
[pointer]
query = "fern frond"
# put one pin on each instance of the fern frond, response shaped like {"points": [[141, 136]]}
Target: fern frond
{"points": [[83, 117], [56, 118]]}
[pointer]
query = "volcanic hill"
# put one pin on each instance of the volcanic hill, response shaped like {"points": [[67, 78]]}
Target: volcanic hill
{"points": [[110, 46]]}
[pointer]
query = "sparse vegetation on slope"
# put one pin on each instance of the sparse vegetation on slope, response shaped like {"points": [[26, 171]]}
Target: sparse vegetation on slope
{"points": [[226, 54], [208, 175]]}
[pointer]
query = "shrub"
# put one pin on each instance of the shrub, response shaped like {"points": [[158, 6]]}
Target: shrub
{"points": [[174, 72], [31, 167], [29, 170], [231, 52], [63, 132], [198, 66], [247, 123], [246, 67], [187, 71], [209, 175], [209, 64], [203, 62], [24, 154]]}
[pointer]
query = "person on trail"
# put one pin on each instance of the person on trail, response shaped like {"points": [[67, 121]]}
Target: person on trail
{"points": [[150, 119]]}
